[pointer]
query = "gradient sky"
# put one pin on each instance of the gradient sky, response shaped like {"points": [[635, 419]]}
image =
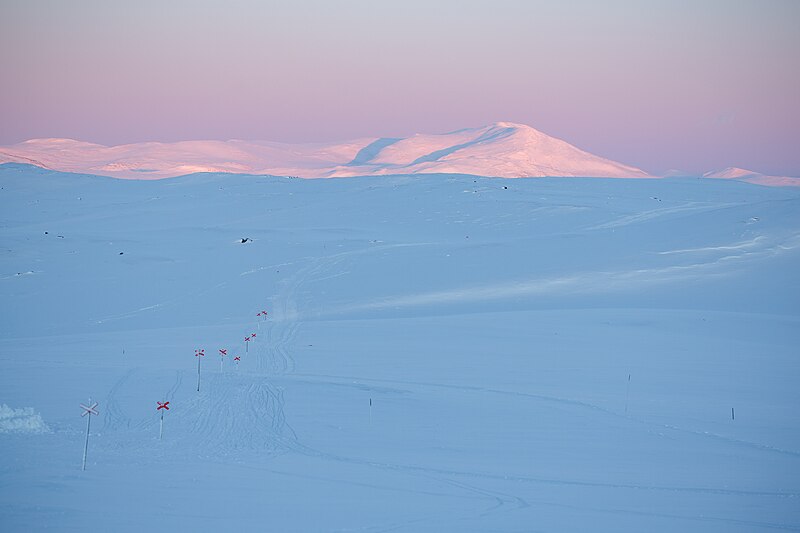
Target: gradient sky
{"points": [[693, 85]]}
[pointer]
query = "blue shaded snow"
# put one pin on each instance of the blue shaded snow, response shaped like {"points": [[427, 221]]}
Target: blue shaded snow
{"points": [[491, 324]]}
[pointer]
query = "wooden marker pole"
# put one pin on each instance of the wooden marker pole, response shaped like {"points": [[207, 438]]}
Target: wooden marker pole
{"points": [[627, 392], [162, 407], [199, 353], [88, 411], [222, 353]]}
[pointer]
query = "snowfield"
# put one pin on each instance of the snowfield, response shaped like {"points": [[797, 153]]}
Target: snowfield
{"points": [[441, 353]]}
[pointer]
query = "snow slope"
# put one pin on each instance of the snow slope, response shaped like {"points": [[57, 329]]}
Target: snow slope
{"points": [[740, 174], [503, 149], [492, 325]]}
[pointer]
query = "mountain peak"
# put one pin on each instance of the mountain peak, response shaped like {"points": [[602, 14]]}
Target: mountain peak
{"points": [[731, 173], [514, 125]]}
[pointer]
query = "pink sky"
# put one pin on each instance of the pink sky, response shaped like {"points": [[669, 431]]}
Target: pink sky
{"points": [[655, 84]]}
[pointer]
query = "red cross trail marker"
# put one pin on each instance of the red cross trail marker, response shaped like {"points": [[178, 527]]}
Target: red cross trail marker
{"points": [[246, 344], [89, 410], [236, 360], [222, 353], [162, 407], [199, 354]]}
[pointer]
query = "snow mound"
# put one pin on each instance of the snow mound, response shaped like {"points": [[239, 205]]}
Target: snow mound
{"points": [[23, 420], [741, 174]]}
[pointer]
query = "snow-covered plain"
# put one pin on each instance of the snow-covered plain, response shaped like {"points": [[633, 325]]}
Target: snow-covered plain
{"points": [[492, 324]]}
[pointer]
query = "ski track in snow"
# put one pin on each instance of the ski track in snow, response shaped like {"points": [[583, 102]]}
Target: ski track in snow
{"points": [[286, 324], [236, 403], [275, 359]]}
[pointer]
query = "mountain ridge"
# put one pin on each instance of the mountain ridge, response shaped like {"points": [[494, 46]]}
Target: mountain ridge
{"points": [[501, 149]]}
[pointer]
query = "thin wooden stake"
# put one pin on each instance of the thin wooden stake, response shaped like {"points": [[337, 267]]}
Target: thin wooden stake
{"points": [[88, 411], [162, 407], [627, 392], [86, 445]]}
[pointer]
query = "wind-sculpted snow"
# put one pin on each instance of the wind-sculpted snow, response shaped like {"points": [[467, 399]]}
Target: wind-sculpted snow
{"points": [[23, 420], [441, 353]]}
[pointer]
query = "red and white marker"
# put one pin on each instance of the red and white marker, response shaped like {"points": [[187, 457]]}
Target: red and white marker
{"points": [[222, 353], [162, 407], [236, 360], [246, 344], [89, 410], [261, 314], [199, 354]]}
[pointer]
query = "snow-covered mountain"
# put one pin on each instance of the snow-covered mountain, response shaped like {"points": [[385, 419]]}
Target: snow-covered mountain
{"points": [[741, 174], [503, 149]]}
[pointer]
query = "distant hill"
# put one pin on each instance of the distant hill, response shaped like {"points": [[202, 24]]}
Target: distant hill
{"points": [[741, 174]]}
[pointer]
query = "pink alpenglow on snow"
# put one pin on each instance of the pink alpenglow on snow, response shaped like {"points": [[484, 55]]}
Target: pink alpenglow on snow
{"points": [[741, 174], [503, 149]]}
